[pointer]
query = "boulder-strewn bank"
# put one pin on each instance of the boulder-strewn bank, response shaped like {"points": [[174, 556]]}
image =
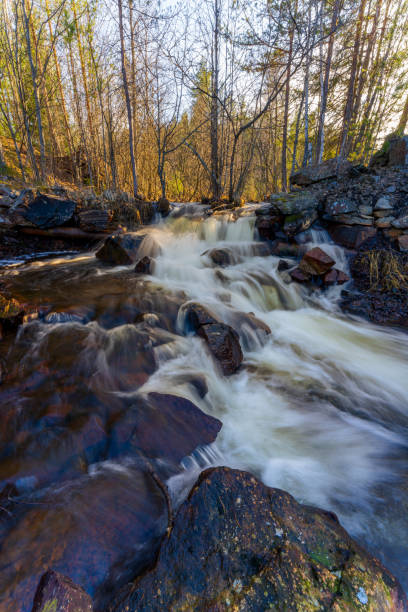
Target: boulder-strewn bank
{"points": [[365, 210], [57, 219]]}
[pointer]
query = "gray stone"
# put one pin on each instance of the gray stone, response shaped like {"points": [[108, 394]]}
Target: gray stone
{"points": [[353, 220], [391, 189], [401, 222], [383, 204], [294, 203], [341, 206], [365, 209], [332, 168]]}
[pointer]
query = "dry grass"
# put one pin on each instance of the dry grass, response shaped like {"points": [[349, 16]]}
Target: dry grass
{"points": [[388, 270]]}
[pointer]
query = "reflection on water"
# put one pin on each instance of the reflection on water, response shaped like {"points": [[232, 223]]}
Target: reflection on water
{"points": [[319, 407]]}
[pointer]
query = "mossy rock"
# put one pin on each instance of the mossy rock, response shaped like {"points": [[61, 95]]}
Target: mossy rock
{"points": [[239, 545]]}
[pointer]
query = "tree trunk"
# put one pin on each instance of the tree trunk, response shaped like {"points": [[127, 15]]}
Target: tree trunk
{"points": [[214, 113], [286, 112], [33, 71], [127, 98], [352, 81], [325, 88]]}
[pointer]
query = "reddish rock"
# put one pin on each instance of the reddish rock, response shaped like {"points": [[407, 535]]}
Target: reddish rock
{"points": [[330, 278], [351, 236], [143, 266], [316, 262], [162, 426], [342, 277], [299, 276], [403, 242], [223, 342], [58, 593]]}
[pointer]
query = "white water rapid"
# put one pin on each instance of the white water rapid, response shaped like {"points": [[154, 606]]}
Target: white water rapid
{"points": [[319, 407]]}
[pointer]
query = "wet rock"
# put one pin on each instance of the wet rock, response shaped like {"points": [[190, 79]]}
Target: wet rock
{"points": [[48, 211], [299, 276], [223, 343], [196, 315], [330, 169], [294, 224], [316, 262], [294, 203], [120, 249], [95, 220], [59, 593], [163, 206], [341, 206], [267, 226], [335, 277], [398, 151], [162, 426], [284, 249], [143, 266], [351, 237], [85, 529], [283, 265], [238, 544], [220, 257]]}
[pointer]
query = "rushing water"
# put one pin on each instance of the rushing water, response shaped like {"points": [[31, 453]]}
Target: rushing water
{"points": [[319, 407]]}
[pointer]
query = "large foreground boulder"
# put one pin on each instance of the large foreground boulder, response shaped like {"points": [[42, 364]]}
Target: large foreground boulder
{"points": [[239, 545], [58, 593]]}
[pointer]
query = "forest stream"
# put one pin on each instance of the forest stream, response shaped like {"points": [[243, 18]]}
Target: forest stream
{"points": [[318, 407]]}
